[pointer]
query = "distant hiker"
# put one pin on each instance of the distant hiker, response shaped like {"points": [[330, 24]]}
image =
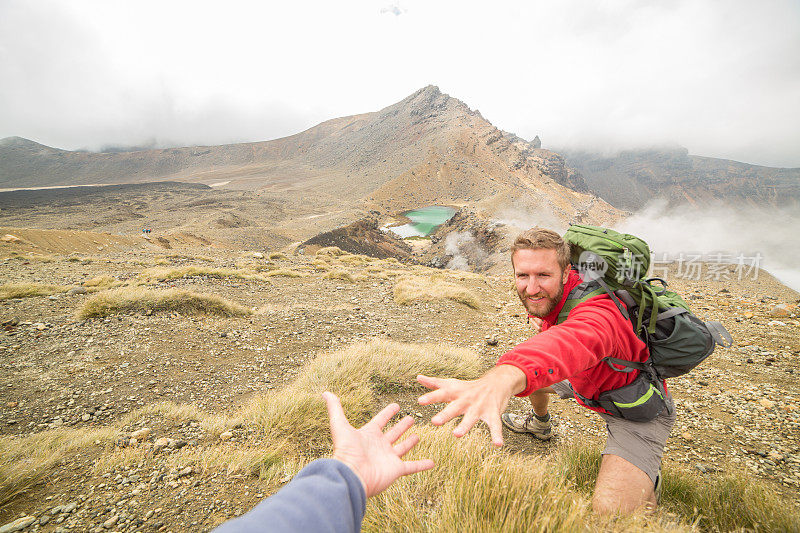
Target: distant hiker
{"points": [[573, 349], [331, 494]]}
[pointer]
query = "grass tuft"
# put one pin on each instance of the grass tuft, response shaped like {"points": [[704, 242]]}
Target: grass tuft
{"points": [[139, 299], [339, 274], [415, 288], [27, 290], [274, 256], [26, 461], [330, 250], [352, 374]]}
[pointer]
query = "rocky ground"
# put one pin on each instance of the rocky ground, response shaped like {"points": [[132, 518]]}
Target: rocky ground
{"points": [[740, 409]]}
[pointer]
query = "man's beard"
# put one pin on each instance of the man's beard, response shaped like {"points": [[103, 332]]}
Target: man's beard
{"points": [[543, 308]]}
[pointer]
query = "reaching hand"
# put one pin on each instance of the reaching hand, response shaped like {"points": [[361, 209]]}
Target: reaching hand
{"points": [[371, 453], [536, 323], [481, 399]]}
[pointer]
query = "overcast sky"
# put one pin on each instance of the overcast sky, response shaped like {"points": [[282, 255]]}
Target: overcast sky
{"points": [[721, 78]]}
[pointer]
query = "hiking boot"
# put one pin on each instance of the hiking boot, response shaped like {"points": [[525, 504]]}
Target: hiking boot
{"points": [[528, 424]]}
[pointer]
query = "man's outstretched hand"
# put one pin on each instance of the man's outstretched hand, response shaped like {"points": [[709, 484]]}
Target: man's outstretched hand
{"points": [[481, 399], [368, 451]]}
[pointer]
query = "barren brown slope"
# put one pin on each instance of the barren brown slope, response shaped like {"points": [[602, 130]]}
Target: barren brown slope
{"points": [[427, 148]]}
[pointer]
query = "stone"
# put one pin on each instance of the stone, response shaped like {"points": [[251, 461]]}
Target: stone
{"points": [[258, 255], [781, 310], [12, 404], [69, 507], [185, 472], [18, 524], [141, 434], [108, 524], [749, 315], [77, 290], [491, 340], [766, 404], [86, 417], [44, 519], [227, 435], [776, 323]]}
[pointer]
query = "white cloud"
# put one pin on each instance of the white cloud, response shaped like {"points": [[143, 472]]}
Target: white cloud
{"points": [[394, 9], [719, 78]]}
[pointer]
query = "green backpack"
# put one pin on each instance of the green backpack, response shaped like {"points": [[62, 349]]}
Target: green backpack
{"points": [[617, 263]]}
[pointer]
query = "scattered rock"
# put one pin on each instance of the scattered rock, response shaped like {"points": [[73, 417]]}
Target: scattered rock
{"points": [[258, 255], [12, 404], [776, 323], [141, 434], [767, 404], [227, 435], [108, 524], [10, 238], [185, 472], [76, 290], [781, 310], [18, 524], [491, 340]]}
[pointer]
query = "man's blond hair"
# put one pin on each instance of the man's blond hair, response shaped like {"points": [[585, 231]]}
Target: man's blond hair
{"points": [[543, 239]]}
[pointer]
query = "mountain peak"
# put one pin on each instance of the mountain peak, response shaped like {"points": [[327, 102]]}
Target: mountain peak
{"points": [[18, 142]]}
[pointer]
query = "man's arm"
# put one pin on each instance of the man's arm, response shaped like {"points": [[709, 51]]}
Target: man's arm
{"points": [[326, 495], [330, 495], [482, 399]]}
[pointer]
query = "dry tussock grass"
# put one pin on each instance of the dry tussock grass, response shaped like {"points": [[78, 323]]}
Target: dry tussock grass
{"points": [[25, 461], [213, 424], [264, 462], [139, 299], [343, 275], [101, 283], [330, 250], [162, 274], [476, 487], [355, 374], [33, 258], [274, 256], [410, 289], [28, 290], [354, 260]]}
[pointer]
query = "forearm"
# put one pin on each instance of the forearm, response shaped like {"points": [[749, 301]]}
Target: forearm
{"points": [[325, 496]]}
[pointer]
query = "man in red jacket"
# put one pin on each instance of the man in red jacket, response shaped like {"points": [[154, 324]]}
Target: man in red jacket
{"points": [[563, 359]]}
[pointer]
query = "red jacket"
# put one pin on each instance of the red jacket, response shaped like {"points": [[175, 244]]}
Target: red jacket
{"points": [[573, 349]]}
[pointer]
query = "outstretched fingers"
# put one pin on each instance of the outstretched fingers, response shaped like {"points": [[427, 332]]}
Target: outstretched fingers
{"points": [[396, 431], [466, 424], [444, 416], [412, 467], [335, 412], [383, 417], [495, 430], [405, 446]]}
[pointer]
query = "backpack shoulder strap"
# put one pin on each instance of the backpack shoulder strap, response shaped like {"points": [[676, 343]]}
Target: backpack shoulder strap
{"points": [[579, 294]]}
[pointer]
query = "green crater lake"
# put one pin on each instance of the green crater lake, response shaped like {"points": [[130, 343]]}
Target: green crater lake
{"points": [[424, 221]]}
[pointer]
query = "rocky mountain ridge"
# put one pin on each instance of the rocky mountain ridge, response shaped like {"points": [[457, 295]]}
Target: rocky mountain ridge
{"points": [[631, 178]]}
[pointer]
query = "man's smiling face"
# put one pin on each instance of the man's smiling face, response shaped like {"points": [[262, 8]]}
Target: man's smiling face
{"points": [[539, 280]]}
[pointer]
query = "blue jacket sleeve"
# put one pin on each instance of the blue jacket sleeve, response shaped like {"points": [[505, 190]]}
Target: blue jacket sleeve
{"points": [[325, 496]]}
